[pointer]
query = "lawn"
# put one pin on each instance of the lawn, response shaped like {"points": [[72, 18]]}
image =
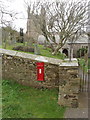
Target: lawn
{"points": [[47, 53], [25, 102], [44, 52]]}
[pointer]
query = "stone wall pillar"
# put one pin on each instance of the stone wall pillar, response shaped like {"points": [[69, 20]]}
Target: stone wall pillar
{"points": [[71, 52], [69, 86]]}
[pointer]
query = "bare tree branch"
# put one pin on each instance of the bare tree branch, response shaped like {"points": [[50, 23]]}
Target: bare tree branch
{"points": [[62, 18]]}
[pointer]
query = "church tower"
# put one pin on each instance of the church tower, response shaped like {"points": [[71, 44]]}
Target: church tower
{"points": [[33, 26]]}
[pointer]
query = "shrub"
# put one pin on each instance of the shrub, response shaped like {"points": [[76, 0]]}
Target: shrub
{"points": [[24, 48], [81, 52]]}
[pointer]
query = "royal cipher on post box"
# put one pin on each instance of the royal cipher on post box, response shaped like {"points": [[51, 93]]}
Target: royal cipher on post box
{"points": [[40, 71]]}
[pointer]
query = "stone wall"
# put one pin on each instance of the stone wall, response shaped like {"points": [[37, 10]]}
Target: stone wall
{"points": [[69, 86], [24, 71], [21, 67]]}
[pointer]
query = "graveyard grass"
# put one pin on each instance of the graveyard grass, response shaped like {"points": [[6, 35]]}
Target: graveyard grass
{"points": [[25, 102], [44, 52]]}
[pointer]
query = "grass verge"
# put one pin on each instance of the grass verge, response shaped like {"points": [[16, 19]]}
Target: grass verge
{"points": [[25, 102]]}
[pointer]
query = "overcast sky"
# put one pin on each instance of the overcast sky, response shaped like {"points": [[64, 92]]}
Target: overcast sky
{"points": [[19, 7]]}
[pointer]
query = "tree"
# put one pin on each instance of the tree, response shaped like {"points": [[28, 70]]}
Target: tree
{"points": [[6, 13], [68, 21], [6, 20], [62, 18], [8, 36]]}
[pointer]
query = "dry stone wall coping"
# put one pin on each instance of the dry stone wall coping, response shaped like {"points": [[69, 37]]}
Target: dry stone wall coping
{"points": [[73, 64], [39, 58]]}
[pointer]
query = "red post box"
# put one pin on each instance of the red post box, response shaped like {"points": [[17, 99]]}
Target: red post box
{"points": [[40, 71]]}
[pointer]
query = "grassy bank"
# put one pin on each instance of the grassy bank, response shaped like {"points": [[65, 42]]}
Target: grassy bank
{"points": [[26, 102], [43, 52]]}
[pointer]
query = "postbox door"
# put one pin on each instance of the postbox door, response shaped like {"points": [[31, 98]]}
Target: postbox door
{"points": [[40, 71]]}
